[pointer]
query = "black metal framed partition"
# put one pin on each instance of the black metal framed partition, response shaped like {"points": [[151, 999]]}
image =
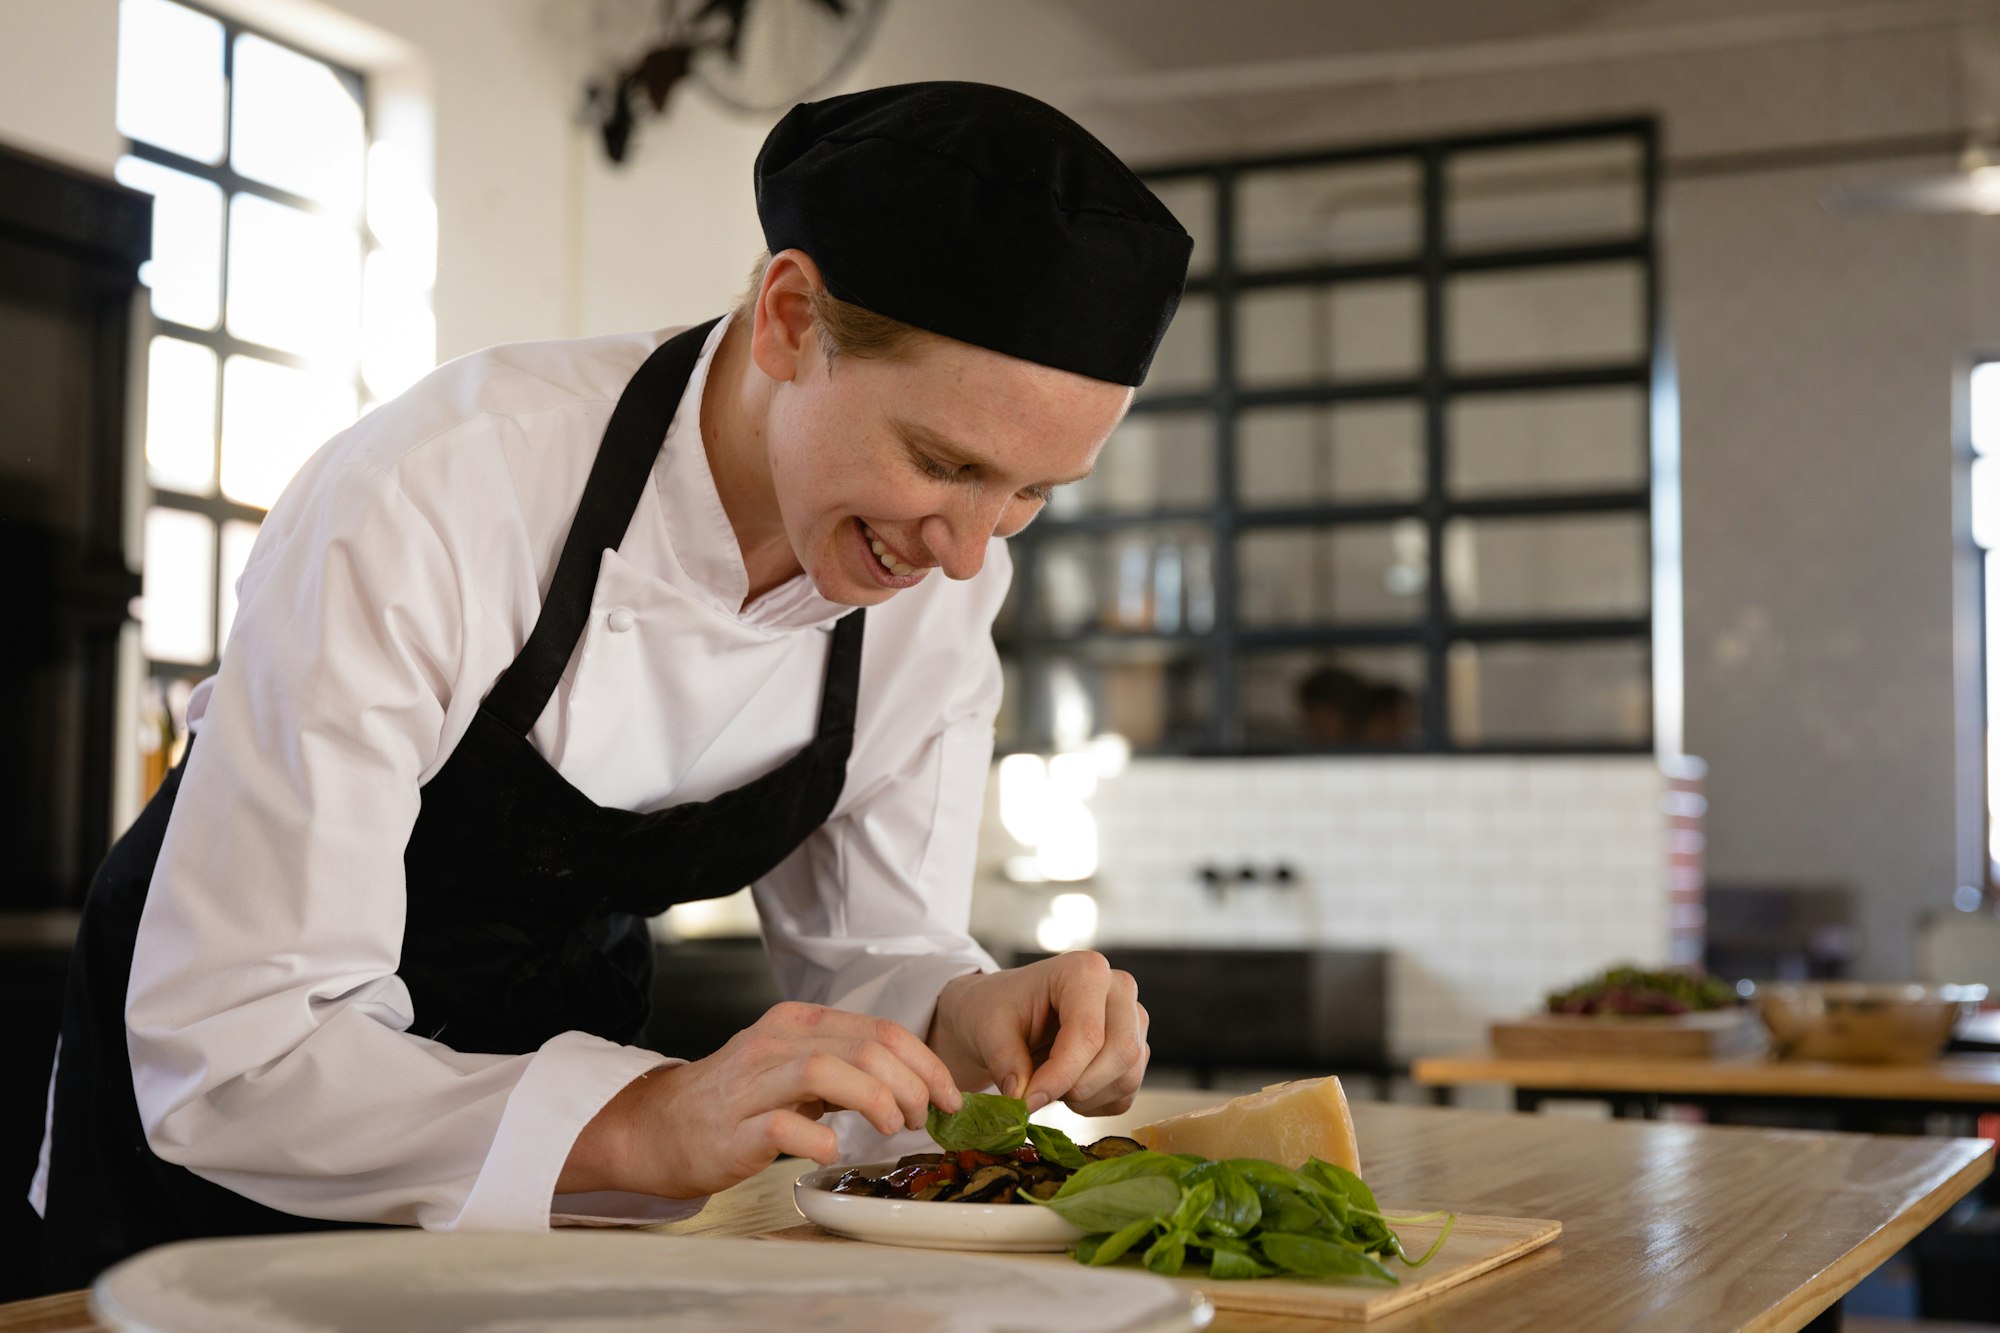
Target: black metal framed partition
{"points": [[1391, 486]]}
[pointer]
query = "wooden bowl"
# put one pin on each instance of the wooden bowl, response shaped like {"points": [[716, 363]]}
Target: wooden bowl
{"points": [[1862, 1022]]}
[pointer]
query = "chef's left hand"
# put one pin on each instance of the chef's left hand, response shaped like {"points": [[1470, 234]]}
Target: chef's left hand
{"points": [[1068, 1028]]}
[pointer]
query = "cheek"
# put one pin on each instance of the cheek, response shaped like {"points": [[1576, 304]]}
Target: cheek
{"points": [[1018, 514]]}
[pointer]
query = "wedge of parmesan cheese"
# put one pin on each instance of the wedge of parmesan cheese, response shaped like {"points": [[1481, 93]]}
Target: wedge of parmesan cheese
{"points": [[1286, 1123]]}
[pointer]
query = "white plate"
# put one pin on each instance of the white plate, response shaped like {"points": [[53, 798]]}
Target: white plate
{"points": [[612, 1282], [1016, 1227]]}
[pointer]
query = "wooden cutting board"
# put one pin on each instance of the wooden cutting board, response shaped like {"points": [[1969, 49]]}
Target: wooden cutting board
{"points": [[1478, 1245]]}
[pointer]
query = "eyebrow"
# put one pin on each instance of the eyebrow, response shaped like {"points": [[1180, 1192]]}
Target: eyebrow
{"points": [[923, 437]]}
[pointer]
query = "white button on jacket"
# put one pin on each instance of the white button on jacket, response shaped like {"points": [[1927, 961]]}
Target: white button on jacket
{"points": [[395, 579]]}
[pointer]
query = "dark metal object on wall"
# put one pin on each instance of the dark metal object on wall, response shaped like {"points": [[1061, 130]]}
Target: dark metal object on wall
{"points": [[70, 249], [750, 55]]}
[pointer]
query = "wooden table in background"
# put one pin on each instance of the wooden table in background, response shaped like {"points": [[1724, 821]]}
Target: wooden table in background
{"points": [[1862, 1094], [1665, 1226]]}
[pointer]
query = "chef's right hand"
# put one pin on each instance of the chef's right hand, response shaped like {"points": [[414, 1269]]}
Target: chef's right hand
{"points": [[683, 1131]]}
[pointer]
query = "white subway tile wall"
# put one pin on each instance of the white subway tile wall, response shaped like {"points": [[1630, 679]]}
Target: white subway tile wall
{"points": [[1491, 881]]}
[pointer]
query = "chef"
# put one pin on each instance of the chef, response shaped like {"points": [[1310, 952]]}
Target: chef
{"points": [[575, 631]]}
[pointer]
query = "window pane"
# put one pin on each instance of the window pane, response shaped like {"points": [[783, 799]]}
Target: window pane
{"points": [[294, 279], [179, 587], [1362, 573], [1986, 504], [1155, 695], [1140, 581], [1186, 359], [1154, 460], [1593, 565], [1191, 199], [1316, 215], [296, 125], [1986, 407], [1585, 190], [1543, 443], [399, 334], [170, 78], [1303, 335], [185, 271], [1534, 318], [237, 539], [180, 416], [1550, 693], [273, 417], [1325, 455], [1321, 698]]}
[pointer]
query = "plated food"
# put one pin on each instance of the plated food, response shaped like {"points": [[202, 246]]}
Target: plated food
{"points": [[1284, 1211]]}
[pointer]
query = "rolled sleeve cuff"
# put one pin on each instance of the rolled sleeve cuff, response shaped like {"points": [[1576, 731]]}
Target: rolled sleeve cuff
{"points": [[907, 989], [566, 1084]]}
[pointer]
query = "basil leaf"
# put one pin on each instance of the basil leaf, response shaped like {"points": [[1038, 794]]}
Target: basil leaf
{"points": [[1118, 1205], [1236, 1208], [1167, 1254], [1114, 1169], [1285, 1210], [1195, 1202], [1056, 1146], [1340, 1178], [1118, 1242], [1086, 1250], [1265, 1174], [1233, 1261], [986, 1123], [1312, 1256]]}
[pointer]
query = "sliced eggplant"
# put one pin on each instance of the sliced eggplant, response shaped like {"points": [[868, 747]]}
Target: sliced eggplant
{"points": [[987, 1183], [1112, 1145]]}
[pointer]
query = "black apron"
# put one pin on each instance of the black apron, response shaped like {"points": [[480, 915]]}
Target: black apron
{"points": [[527, 900]]}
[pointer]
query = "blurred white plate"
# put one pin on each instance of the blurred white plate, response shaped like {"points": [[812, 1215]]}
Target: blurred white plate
{"points": [[1016, 1227], [611, 1282]]}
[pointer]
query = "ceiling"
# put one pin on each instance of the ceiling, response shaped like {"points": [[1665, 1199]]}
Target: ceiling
{"points": [[1183, 34]]}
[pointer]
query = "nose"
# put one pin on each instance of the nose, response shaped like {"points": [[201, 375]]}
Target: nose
{"points": [[959, 547], [957, 538]]}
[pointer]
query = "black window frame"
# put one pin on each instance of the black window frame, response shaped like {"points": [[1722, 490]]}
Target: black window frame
{"points": [[215, 506], [1027, 649]]}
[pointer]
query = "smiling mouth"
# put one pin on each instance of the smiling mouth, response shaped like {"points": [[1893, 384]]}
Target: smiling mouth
{"points": [[889, 565], [889, 557]]}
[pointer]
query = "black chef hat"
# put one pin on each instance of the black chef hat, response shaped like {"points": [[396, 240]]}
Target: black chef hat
{"points": [[981, 214]]}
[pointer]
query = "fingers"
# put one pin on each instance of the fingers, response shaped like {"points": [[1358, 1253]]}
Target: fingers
{"points": [[1120, 1064], [1078, 994], [853, 1034], [788, 1134], [825, 1077]]}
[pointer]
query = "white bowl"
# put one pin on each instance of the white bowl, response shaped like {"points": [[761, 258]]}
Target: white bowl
{"points": [[1016, 1227]]}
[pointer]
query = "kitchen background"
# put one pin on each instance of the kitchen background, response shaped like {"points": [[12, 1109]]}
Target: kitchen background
{"points": [[1551, 535]]}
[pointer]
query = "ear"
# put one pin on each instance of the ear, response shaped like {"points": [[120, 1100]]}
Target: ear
{"points": [[782, 342]]}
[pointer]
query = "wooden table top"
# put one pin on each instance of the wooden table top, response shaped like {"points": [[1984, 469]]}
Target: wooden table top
{"points": [[1665, 1226], [1950, 1078]]}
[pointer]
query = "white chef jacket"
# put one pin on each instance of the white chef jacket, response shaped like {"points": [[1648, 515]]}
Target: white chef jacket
{"points": [[395, 579]]}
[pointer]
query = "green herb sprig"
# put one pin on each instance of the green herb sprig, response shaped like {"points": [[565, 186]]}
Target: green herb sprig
{"points": [[1244, 1218]]}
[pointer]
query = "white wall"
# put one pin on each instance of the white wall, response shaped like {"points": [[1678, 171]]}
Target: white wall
{"points": [[1490, 881]]}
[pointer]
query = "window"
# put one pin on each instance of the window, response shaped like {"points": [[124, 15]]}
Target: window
{"points": [[1390, 483], [1984, 489], [290, 286]]}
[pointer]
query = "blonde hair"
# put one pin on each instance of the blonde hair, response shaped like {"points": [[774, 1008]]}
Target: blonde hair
{"points": [[845, 329]]}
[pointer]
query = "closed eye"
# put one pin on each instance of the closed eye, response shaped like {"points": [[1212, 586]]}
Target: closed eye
{"points": [[938, 470]]}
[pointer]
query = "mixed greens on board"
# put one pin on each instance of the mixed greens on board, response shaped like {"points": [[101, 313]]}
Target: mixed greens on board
{"points": [[1243, 1218]]}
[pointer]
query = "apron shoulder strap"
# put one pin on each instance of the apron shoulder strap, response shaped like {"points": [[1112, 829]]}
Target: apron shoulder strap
{"points": [[611, 496]]}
